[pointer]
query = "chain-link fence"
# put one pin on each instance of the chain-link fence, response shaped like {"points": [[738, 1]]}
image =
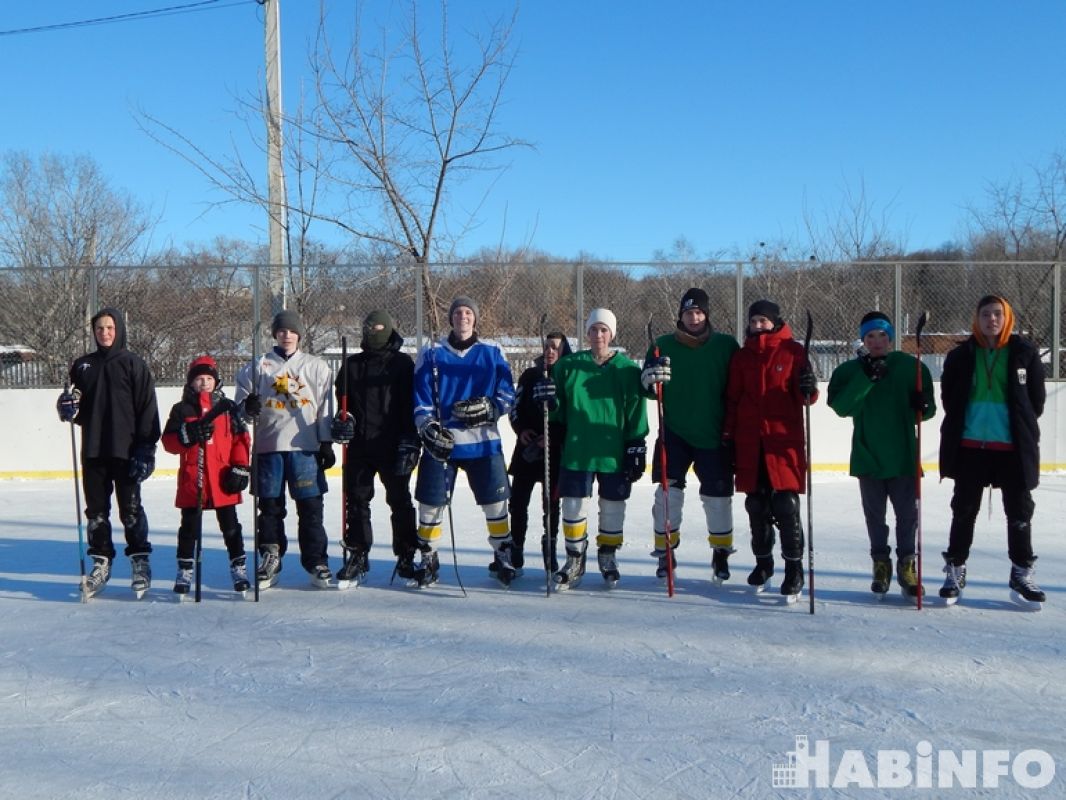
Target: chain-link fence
{"points": [[174, 314]]}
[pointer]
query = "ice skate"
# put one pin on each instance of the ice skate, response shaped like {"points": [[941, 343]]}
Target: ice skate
{"points": [[97, 578], [792, 585], [238, 572], [569, 577], [354, 570], [907, 575], [1024, 590], [664, 565], [882, 578], [140, 574], [183, 581], [608, 565], [954, 582], [428, 572], [321, 577], [269, 567], [720, 565], [759, 579], [505, 571]]}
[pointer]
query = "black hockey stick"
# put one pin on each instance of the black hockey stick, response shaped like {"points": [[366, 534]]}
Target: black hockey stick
{"points": [[77, 504], [254, 466], [807, 446], [546, 495], [664, 480], [918, 452]]}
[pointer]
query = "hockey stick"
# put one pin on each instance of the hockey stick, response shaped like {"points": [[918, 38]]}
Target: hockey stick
{"points": [[344, 446], [254, 466], [918, 449], [664, 481], [77, 504], [807, 447], [448, 489], [546, 495]]}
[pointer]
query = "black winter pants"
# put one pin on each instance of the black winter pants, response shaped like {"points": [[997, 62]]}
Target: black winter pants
{"points": [[100, 477], [192, 523], [359, 474]]}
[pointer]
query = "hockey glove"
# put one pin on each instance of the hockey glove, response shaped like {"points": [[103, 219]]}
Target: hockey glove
{"points": [[656, 370], [235, 479], [407, 453], [808, 382], [474, 412], [195, 432], [875, 367], [67, 404], [918, 404], [325, 456], [438, 440], [342, 429], [635, 461], [142, 462], [544, 393], [253, 405]]}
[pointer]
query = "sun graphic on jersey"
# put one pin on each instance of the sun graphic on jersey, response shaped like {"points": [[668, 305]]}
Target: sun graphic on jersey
{"points": [[288, 385]]}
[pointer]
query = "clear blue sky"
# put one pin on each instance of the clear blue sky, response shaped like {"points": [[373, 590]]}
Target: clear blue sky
{"points": [[716, 121]]}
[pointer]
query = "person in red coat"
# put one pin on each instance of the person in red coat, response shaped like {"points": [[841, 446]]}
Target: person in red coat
{"points": [[226, 445], [770, 381]]}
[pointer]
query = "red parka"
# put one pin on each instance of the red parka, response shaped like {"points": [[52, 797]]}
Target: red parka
{"points": [[229, 445], [764, 411]]}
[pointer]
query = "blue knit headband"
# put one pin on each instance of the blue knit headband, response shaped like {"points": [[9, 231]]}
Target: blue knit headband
{"points": [[877, 324]]}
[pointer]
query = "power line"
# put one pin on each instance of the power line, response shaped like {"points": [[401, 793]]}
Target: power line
{"points": [[167, 11]]}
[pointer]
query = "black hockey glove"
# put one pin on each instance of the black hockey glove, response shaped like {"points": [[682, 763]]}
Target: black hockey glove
{"points": [[656, 370], [544, 394], [635, 460], [325, 456], [438, 440], [195, 432], [407, 453], [142, 462], [253, 405], [875, 368], [808, 382], [918, 404], [67, 405], [342, 429], [235, 479], [474, 412]]}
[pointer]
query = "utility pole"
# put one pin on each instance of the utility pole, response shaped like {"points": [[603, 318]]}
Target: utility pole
{"points": [[277, 203]]}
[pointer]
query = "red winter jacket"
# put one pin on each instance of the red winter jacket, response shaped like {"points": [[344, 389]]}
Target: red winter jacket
{"points": [[764, 410], [226, 447]]}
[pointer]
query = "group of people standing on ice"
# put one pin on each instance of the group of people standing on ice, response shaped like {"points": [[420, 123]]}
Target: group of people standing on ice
{"points": [[731, 414]]}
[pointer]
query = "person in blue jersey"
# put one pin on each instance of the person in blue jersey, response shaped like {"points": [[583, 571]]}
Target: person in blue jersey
{"points": [[462, 386]]}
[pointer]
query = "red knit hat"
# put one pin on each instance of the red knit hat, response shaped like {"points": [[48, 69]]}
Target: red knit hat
{"points": [[203, 365]]}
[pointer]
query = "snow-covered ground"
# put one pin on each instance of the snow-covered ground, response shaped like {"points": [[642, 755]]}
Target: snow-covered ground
{"points": [[385, 692]]}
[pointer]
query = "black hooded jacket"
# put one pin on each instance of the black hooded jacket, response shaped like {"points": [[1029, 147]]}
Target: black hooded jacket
{"points": [[1026, 395], [380, 388], [526, 414], [118, 411]]}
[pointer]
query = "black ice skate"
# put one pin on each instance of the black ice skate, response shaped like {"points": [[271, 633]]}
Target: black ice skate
{"points": [[140, 574], [97, 578], [608, 565], [759, 579], [353, 573], [1024, 590], [792, 585]]}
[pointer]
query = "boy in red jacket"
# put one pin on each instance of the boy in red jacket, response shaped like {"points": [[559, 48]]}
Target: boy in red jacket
{"points": [[226, 444]]}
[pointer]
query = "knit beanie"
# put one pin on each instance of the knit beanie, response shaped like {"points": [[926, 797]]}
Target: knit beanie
{"points": [[1008, 321], [604, 316], [694, 298], [289, 320], [203, 365], [876, 320], [374, 339], [768, 309], [460, 302]]}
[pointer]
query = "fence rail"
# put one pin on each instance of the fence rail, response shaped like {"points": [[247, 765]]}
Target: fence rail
{"points": [[176, 313]]}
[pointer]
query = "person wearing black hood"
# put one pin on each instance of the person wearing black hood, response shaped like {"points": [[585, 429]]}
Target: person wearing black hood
{"points": [[527, 461], [380, 427], [693, 368], [113, 400]]}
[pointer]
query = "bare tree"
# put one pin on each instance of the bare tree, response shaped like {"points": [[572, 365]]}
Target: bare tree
{"points": [[856, 230]]}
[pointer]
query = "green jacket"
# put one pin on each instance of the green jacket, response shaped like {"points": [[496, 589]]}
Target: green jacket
{"points": [[602, 408], [694, 398], [883, 443]]}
